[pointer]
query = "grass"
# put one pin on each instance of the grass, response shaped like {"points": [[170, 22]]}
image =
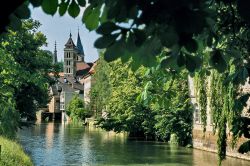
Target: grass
{"points": [[12, 154]]}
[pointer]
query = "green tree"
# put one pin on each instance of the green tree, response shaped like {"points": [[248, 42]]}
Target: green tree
{"points": [[60, 66], [167, 94], [76, 109], [101, 88], [123, 112], [33, 66], [23, 75]]}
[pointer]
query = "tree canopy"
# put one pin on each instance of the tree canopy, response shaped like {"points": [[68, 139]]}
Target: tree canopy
{"points": [[146, 103], [24, 75], [144, 29], [76, 109]]}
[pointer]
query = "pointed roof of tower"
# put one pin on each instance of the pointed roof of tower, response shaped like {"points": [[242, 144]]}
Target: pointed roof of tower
{"points": [[55, 54], [70, 43], [79, 44]]}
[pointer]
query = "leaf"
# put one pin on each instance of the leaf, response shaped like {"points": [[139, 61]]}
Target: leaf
{"points": [[114, 51], [50, 6], [63, 8], [169, 37], [114, 10], [130, 43], [23, 11], [169, 62], [191, 63], [242, 76], [244, 9], [15, 22], [191, 45], [106, 28], [245, 147], [81, 2], [217, 61], [103, 17], [36, 3], [86, 13], [146, 54], [140, 37], [91, 17], [74, 9], [105, 41], [181, 60], [210, 40], [133, 12]]}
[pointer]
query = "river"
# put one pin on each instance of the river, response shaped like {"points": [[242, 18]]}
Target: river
{"points": [[54, 144]]}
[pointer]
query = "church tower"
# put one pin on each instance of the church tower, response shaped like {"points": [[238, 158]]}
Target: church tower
{"points": [[79, 46], [55, 55], [70, 56]]}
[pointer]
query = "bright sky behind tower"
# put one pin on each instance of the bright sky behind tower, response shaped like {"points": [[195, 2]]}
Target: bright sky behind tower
{"points": [[57, 29]]}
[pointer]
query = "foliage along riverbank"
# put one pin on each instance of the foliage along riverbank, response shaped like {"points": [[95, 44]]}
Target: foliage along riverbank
{"points": [[12, 154], [134, 102]]}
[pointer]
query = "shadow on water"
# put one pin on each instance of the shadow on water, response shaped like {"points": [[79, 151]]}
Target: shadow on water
{"points": [[60, 145]]}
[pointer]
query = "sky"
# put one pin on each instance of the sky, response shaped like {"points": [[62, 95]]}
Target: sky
{"points": [[57, 29]]}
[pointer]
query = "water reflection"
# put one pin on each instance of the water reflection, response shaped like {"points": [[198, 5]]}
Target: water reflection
{"points": [[61, 145]]}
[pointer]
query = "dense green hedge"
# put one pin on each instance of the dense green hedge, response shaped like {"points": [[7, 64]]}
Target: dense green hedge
{"points": [[12, 154]]}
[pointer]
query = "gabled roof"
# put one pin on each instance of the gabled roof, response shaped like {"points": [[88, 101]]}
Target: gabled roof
{"points": [[82, 69], [82, 66], [92, 69], [70, 43]]}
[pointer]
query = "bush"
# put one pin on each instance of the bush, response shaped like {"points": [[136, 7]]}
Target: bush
{"points": [[12, 154], [76, 109]]}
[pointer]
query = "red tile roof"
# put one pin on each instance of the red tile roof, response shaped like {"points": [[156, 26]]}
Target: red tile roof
{"points": [[81, 66]]}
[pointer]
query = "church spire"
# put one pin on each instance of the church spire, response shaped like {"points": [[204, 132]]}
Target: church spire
{"points": [[79, 45], [55, 55], [70, 43]]}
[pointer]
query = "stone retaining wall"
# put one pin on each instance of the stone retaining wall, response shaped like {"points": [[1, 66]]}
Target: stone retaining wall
{"points": [[208, 142]]}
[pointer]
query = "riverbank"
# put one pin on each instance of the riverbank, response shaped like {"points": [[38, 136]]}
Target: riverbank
{"points": [[12, 154], [208, 142]]}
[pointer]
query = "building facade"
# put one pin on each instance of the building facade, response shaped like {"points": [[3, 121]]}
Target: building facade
{"points": [[69, 82], [208, 140]]}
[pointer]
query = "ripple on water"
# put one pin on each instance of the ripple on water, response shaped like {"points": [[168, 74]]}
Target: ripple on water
{"points": [[64, 145]]}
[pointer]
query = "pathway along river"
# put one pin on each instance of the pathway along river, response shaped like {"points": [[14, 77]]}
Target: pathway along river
{"points": [[52, 144]]}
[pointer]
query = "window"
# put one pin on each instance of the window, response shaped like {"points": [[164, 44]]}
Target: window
{"points": [[62, 106], [67, 62], [67, 54], [197, 114], [68, 70]]}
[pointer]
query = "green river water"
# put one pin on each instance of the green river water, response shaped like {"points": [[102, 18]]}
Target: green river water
{"points": [[54, 144]]}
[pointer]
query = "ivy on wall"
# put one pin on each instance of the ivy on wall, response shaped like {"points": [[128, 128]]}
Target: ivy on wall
{"points": [[223, 97], [201, 94]]}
